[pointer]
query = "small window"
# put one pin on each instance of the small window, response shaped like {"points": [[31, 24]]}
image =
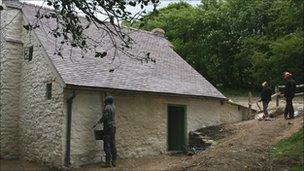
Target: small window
{"points": [[48, 90], [28, 53]]}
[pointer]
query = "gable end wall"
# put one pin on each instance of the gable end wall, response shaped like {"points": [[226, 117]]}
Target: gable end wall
{"points": [[32, 127], [41, 123]]}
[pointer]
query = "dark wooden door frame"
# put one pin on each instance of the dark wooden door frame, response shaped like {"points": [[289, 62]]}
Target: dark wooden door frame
{"points": [[185, 124]]}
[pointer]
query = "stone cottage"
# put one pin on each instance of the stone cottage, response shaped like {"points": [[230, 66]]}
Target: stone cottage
{"points": [[49, 104]]}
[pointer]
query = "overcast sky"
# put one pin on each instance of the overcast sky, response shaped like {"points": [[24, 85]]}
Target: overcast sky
{"points": [[133, 10]]}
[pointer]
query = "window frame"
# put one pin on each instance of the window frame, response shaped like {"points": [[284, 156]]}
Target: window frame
{"points": [[48, 91]]}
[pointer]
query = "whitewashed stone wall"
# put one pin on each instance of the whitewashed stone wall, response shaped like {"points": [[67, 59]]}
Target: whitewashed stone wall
{"points": [[42, 120], [234, 113], [86, 110], [10, 71], [141, 122]]}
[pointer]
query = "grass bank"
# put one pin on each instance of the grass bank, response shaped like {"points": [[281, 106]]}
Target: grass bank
{"points": [[289, 153]]}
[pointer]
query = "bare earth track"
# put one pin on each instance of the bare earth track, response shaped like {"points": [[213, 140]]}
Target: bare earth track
{"points": [[248, 148]]}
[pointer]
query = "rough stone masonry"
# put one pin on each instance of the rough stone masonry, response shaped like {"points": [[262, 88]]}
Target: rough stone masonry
{"points": [[31, 125]]}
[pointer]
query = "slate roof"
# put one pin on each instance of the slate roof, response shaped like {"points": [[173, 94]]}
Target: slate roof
{"points": [[170, 74]]}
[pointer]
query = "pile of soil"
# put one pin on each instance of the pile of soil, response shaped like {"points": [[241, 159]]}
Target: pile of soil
{"points": [[247, 148], [216, 132]]}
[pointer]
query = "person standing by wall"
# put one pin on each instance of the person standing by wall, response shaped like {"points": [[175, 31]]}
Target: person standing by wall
{"points": [[109, 128], [289, 93], [265, 97]]}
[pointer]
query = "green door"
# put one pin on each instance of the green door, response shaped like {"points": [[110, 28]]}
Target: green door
{"points": [[176, 127]]}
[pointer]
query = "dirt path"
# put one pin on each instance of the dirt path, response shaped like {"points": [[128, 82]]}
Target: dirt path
{"points": [[18, 165], [248, 147]]}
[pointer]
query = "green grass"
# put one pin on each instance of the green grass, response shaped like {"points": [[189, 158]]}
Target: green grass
{"points": [[296, 168], [291, 148]]}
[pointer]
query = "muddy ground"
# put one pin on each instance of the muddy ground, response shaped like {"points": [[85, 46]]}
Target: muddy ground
{"points": [[247, 148]]}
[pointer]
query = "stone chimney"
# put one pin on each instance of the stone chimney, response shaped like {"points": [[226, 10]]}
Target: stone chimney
{"points": [[11, 56], [158, 32]]}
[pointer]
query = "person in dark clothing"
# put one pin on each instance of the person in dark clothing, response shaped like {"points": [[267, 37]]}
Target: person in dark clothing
{"points": [[265, 97], [109, 128], [289, 93]]}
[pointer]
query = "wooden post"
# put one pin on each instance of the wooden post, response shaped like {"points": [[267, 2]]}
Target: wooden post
{"points": [[278, 96], [249, 103]]}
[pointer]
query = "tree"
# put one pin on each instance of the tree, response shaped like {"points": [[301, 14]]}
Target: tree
{"points": [[73, 17], [236, 43]]}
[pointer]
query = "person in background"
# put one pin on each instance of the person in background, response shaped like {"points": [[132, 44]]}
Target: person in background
{"points": [[289, 93], [109, 127], [265, 97]]}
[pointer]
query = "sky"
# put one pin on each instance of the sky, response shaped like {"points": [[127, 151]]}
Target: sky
{"points": [[133, 10], [162, 4]]}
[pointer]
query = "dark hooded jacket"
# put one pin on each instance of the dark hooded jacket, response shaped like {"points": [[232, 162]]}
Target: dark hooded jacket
{"points": [[290, 88], [266, 94], [108, 114]]}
